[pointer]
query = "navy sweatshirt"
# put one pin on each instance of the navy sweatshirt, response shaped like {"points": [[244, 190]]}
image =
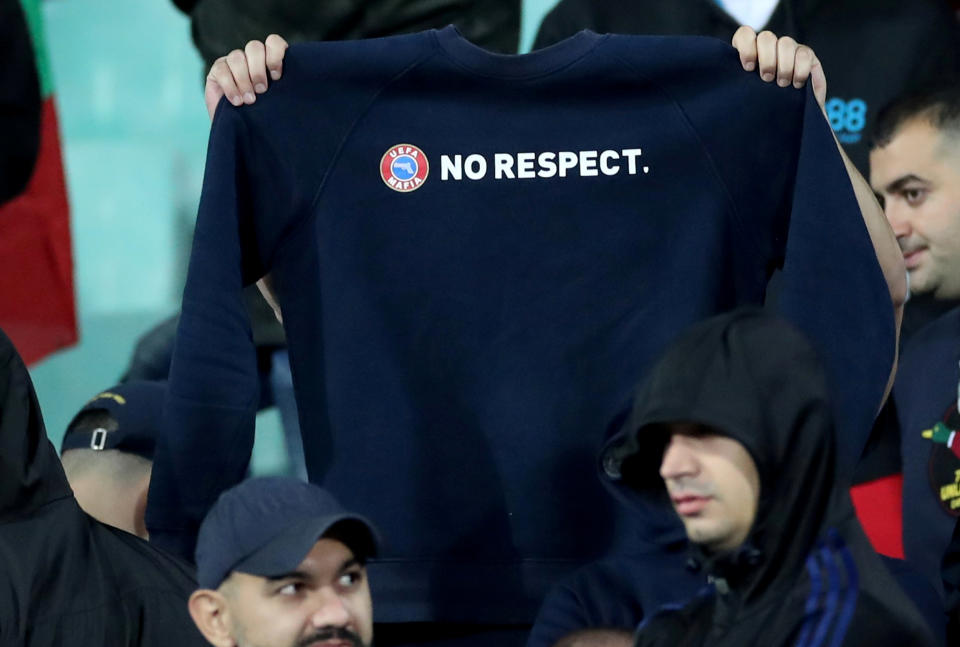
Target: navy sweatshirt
{"points": [[477, 258]]}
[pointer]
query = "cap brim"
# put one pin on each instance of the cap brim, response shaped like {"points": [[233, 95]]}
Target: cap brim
{"points": [[284, 553]]}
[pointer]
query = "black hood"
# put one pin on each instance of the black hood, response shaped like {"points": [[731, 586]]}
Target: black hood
{"points": [[30, 471], [754, 378]]}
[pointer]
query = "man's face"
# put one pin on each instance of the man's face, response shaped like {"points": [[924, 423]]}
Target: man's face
{"points": [[917, 180], [324, 602], [713, 484]]}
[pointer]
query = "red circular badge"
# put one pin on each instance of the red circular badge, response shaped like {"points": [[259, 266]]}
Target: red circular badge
{"points": [[404, 168]]}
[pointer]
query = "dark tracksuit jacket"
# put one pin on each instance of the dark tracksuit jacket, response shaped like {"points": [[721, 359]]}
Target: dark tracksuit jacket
{"points": [[872, 50], [65, 578], [806, 574]]}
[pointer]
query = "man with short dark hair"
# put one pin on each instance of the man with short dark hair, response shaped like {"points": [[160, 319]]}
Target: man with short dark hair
{"points": [[915, 171], [107, 453], [281, 564], [734, 428]]}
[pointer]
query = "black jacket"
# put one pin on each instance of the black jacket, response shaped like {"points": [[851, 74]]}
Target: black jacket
{"points": [[872, 50], [65, 578], [806, 574], [221, 25]]}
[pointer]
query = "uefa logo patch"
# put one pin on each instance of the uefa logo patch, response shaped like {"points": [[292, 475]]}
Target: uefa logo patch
{"points": [[404, 168]]}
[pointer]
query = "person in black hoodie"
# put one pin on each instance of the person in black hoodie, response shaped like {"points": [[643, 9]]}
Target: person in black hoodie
{"points": [[65, 578], [734, 428]]}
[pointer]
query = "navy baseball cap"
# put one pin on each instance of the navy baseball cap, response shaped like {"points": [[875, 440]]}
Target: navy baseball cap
{"points": [[136, 406], [266, 526]]}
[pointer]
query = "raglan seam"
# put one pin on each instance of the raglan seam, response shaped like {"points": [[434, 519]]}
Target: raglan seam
{"points": [[353, 127], [738, 220], [298, 220]]}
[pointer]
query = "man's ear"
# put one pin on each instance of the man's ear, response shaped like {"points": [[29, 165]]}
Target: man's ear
{"points": [[208, 609]]}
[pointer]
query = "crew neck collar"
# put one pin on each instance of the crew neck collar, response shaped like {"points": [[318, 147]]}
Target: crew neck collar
{"points": [[514, 66]]}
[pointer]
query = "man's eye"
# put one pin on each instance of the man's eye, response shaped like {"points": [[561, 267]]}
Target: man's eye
{"points": [[914, 197], [289, 589], [350, 579]]}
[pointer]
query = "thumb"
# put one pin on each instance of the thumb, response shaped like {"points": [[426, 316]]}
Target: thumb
{"points": [[819, 81], [212, 94]]}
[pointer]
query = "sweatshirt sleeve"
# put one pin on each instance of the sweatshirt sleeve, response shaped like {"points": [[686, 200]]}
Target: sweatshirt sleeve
{"points": [[265, 165], [792, 196], [208, 424], [832, 285]]}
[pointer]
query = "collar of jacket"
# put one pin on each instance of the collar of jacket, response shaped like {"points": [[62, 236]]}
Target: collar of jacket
{"points": [[727, 571]]}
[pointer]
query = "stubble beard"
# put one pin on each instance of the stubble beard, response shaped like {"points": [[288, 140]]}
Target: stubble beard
{"points": [[325, 634], [331, 633]]}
